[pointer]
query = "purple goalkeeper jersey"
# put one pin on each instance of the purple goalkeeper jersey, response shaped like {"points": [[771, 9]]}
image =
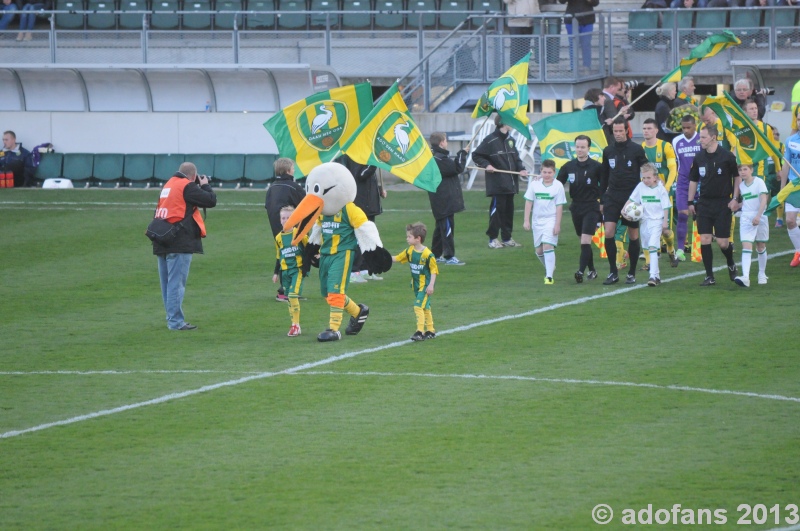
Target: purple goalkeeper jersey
{"points": [[685, 150]]}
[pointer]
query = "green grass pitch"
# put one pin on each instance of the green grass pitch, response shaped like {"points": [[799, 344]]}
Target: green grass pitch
{"points": [[534, 405]]}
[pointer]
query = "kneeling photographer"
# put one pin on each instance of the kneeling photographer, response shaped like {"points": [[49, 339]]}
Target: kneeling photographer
{"points": [[179, 205]]}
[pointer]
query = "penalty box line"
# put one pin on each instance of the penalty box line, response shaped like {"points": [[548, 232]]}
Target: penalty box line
{"points": [[333, 359]]}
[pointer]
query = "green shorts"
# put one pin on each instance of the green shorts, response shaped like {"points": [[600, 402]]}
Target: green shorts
{"points": [[292, 282], [423, 300], [334, 272]]}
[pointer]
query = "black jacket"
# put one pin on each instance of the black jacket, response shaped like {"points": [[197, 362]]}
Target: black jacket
{"points": [[620, 177], [610, 110], [761, 102], [448, 198], [715, 174], [584, 180], [189, 240], [499, 150], [663, 108], [580, 6], [368, 193], [282, 192]]}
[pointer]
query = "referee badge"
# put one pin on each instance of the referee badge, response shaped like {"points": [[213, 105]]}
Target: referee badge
{"points": [[702, 171], [612, 163], [571, 177]]}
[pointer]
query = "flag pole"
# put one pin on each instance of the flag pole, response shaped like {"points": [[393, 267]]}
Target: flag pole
{"points": [[637, 99], [498, 171], [478, 131]]}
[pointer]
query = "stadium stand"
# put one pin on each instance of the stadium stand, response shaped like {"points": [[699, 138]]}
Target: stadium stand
{"points": [[138, 170]]}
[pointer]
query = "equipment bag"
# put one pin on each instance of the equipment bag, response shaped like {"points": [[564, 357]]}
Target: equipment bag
{"points": [[163, 232]]}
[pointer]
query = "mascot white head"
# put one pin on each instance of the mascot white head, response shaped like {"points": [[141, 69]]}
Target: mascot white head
{"points": [[329, 187]]}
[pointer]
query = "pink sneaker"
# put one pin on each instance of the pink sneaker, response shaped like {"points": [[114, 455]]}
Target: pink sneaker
{"points": [[294, 331]]}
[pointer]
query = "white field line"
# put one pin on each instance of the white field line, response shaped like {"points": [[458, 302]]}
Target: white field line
{"points": [[95, 205], [557, 381], [347, 355], [89, 373], [790, 528]]}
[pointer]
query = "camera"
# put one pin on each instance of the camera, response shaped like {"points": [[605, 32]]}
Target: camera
{"points": [[630, 85], [766, 91], [198, 179]]}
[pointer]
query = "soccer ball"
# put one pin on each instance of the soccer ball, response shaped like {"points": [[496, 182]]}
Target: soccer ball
{"points": [[632, 212]]}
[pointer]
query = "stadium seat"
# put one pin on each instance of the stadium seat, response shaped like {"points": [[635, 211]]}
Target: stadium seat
{"points": [[138, 169], [387, 16], [547, 26], [486, 6], [451, 20], [683, 21], [224, 20], [108, 168], [104, 18], [709, 22], [289, 21], [132, 20], [642, 28], [746, 24], [258, 168], [356, 20], [318, 20], [165, 14], [260, 21], [49, 166], [164, 166], [204, 163], [228, 170], [198, 21], [78, 167], [69, 20], [428, 20], [787, 27]]}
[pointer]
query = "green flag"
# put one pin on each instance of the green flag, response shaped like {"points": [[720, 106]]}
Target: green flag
{"points": [[754, 146], [708, 48], [508, 96], [388, 138], [557, 135], [310, 131]]}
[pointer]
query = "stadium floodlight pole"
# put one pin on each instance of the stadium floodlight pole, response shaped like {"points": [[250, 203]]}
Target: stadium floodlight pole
{"points": [[658, 84]]}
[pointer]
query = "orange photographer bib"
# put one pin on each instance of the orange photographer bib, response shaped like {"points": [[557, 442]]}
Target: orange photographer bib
{"points": [[172, 206]]}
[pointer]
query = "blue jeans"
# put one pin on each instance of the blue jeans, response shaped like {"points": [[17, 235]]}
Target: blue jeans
{"points": [[173, 269], [585, 39], [27, 20], [8, 15]]}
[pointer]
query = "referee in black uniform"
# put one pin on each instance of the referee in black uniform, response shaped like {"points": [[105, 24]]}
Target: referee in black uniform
{"points": [[716, 174], [583, 175], [619, 175]]}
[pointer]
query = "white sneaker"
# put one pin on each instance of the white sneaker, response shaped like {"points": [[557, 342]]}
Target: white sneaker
{"points": [[742, 281], [357, 278], [371, 277], [762, 278], [495, 244]]}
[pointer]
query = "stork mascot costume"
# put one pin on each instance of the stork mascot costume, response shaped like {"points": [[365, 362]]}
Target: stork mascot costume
{"points": [[338, 226]]}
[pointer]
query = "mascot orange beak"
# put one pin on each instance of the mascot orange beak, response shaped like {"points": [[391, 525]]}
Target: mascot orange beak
{"points": [[304, 216]]}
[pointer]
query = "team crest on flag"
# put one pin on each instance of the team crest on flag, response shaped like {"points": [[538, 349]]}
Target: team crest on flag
{"points": [[502, 96], [397, 141], [565, 150], [322, 124]]}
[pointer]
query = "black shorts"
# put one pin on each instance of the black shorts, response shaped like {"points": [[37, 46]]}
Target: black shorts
{"points": [[612, 212], [714, 217], [585, 217]]}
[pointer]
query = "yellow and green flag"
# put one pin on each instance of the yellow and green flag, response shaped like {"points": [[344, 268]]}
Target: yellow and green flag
{"points": [[708, 48], [310, 131], [557, 135], [754, 146], [388, 138], [508, 96]]}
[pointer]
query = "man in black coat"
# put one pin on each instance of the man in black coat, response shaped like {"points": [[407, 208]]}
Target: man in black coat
{"points": [[190, 192], [283, 191], [16, 159], [499, 152], [447, 200]]}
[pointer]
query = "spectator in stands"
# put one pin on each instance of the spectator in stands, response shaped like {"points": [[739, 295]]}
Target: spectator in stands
{"points": [[688, 4], [666, 103], [521, 23], [595, 99], [686, 90], [582, 12], [9, 9], [28, 17], [743, 89], [17, 159]]}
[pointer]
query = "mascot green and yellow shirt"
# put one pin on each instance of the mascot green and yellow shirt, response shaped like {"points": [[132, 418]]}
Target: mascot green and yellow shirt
{"points": [[338, 230]]}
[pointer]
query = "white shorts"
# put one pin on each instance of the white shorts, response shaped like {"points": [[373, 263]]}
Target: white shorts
{"points": [[543, 233], [753, 233], [650, 233], [790, 208]]}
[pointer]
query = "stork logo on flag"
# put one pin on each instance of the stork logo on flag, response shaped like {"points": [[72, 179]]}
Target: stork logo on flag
{"points": [[502, 96], [322, 124], [397, 140]]}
